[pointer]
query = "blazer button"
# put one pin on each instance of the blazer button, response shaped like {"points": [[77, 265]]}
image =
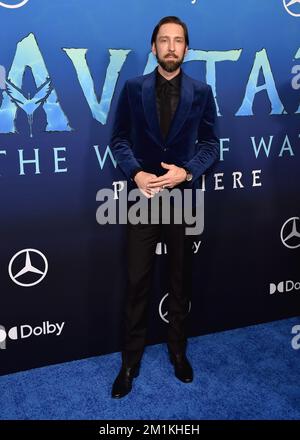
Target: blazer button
{"points": [[165, 149], [196, 141]]}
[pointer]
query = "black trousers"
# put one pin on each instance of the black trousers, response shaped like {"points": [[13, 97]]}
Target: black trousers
{"points": [[142, 240]]}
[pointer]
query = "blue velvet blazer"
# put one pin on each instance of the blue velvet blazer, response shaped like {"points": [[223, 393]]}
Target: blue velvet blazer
{"points": [[136, 139]]}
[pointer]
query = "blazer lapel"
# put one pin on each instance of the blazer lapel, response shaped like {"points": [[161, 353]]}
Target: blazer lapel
{"points": [[149, 104], [183, 107]]}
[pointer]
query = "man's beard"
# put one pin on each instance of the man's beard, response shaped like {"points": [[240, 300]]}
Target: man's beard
{"points": [[171, 64]]}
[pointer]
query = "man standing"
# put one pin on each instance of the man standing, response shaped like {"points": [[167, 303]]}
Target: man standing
{"points": [[163, 137]]}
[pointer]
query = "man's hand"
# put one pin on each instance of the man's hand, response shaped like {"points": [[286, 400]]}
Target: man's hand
{"points": [[173, 177], [142, 180]]}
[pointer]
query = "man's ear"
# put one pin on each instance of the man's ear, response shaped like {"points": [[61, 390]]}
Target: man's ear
{"points": [[153, 48], [186, 50]]}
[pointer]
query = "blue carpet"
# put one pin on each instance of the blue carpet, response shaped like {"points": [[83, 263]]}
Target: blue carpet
{"points": [[246, 374]]}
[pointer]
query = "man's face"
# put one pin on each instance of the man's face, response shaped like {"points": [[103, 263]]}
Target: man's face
{"points": [[170, 47]]}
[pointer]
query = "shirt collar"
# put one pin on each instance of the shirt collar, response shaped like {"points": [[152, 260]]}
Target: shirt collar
{"points": [[161, 80]]}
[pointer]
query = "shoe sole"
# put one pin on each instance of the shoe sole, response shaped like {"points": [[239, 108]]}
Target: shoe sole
{"points": [[185, 380], [188, 380], [119, 396]]}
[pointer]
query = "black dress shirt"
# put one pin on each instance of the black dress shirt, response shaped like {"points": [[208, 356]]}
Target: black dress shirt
{"points": [[167, 98]]}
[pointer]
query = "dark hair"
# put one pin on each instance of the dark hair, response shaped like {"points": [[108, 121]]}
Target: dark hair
{"points": [[170, 19]]}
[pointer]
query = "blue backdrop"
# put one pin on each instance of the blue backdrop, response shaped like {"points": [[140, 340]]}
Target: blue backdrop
{"points": [[62, 66]]}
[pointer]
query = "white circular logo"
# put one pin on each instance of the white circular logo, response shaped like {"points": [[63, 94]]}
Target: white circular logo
{"points": [[290, 233], [17, 5], [22, 260], [2, 334], [292, 8], [164, 314]]}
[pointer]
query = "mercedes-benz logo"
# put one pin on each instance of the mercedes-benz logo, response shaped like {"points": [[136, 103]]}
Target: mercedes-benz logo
{"points": [[20, 267], [164, 314], [291, 9], [290, 233], [14, 6]]}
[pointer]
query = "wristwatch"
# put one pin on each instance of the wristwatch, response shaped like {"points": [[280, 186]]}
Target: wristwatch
{"points": [[189, 175]]}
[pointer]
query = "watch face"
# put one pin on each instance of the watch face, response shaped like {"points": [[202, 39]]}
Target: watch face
{"points": [[189, 177]]}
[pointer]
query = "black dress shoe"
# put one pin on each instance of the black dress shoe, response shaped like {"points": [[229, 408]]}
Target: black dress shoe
{"points": [[123, 383], [182, 367]]}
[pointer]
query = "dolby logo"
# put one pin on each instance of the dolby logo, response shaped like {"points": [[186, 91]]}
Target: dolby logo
{"points": [[284, 286], [25, 331]]}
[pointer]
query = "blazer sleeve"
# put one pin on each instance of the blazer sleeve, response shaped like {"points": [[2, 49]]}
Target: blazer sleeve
{"points": [[121, 142], [208, 141]]}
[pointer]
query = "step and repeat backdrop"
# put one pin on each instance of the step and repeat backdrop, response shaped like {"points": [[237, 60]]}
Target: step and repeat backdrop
{"points": [[62, 66]]}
